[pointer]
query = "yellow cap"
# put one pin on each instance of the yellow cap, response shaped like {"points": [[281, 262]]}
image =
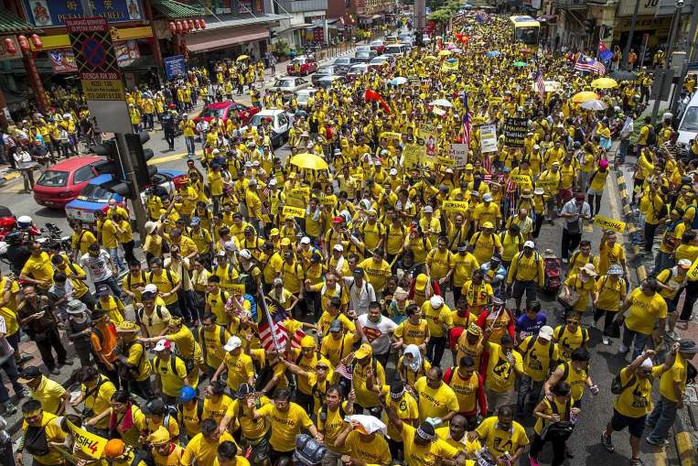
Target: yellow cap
{"points": [[421, 282], [285, 242], [364, 351], [308, 342], [274, 232], [127, 327], [488, 225], [159, 437]]}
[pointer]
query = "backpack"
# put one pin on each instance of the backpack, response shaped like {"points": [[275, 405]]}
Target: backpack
{"points": [[309, 452], [561, 430], [552, 269], [140, 313], [585, 334], [199, 410], [651, 136], [617, 387], [202, 343], [128, 279]]}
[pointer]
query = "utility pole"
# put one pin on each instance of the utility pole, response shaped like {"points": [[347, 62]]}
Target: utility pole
{"points": [[629, 42], [691, 46], [670, 49]]}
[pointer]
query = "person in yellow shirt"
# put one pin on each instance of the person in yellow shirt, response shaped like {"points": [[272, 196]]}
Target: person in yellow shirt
{"points": [[45, 426], [412, 331], [164, 450], [643, 311], [487, 211], [118, 453], [287, 419], [202, 448], [37, 269], [610, 295], [52, 396], [503, 367], [582, 283], [438, 317], [634, 401], [368, 377], [237, 364], [133, 360], [331, 422], [188, 126], [96, 391], [436, 398], [597, 185], [377, 270], [485, 243], [170, 371], [463, 264], [438, 265], [501, 436], [526, 274], [549, 411], [227, 455], [81, 239], [540, 356], [108, 237], [367, 446]]}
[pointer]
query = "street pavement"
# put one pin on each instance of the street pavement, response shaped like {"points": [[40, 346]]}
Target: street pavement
{"points": [[596, 410]]}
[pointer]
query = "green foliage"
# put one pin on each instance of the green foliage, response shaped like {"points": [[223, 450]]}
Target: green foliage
{"points": [[439, 16]]}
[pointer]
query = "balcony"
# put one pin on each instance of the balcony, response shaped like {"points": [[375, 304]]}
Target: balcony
{"points": [[571, 4], [301, 6]]}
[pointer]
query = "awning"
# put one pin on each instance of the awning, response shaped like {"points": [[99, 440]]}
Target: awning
{"points": [[202, 42], [138, 64], [13, 24], [172, 9]]}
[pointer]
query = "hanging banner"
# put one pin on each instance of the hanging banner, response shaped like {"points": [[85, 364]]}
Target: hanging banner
{"points": [[488, 138], [44, 13], [175, 66], [63, 60]]}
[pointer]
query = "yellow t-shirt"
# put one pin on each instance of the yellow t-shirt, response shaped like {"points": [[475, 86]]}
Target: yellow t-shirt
{"points": [[285, 425], [332, 426], [201, 451], [406, 409], [636, 400], [437, 318], [173, 459], [365, 397], [483, 246], [39, 268], [412, 334], [463, 266], [675, 376], [172, 377], [435, 402], [644, 311], [538, 359], [54, 433], [251, 429], [377, 274], [374, 452], [610, 293], [499, 369], [240, 369], [440, 263], [569, 341], [50, 394], [216, 409], [98, 399], [424, 455], [575, 379], [500, 441]]}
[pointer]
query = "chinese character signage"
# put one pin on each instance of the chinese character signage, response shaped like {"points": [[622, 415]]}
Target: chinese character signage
{"points": [[45, 14]]}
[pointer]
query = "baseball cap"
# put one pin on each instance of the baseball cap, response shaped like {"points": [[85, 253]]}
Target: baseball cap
{"points": [[233, 343], [246, 254], [364, 351], [305, 240], [336, 326], [529, 244], [685, 263], [163, 344], [546, 332], [436, 301], [338, 247], [487, 197], [488, 225], [29, 373], [103, 290], [428, 209], [159, 437], [154, 407]]}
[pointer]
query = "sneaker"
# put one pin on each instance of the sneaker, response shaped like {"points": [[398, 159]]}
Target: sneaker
{"points": [[605, 340], [24, 393], [657, 443], [636, 462], [623, 349], [607, 442], [9, 408], [532, 461]]}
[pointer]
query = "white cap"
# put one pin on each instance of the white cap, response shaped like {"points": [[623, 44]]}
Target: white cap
{"points": [[338, 247], [436, 301], [233, 343], [529, 244], [163, 344], [272, 182], [305, 240], [393, 172], [685, 263], [150, 288], [428, 209], [546, 332], [487, 197], [230, 246], [246, 254], [646, 364], [215, 152]]}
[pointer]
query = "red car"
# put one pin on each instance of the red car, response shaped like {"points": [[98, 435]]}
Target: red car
{"points": [[61, 183], [223, 110], [301, 66]]}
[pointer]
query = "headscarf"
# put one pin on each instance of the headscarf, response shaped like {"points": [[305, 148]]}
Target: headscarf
{"points": [[416, 363]]}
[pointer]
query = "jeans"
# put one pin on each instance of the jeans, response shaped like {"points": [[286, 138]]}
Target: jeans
{"points": [[191, 147], [662, 418], [435, 350], [10, 368], [528, 388], [116, 258], [640, 341], [623, 150]]}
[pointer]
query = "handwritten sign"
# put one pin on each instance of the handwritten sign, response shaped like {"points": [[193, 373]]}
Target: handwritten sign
{"points": [[89, 443], [524, 181], [547, 184], [289, 211], [488, 138], [515, 131], [455, 206], [298, 197], [412, 154], [609, 223], [459, 153]]}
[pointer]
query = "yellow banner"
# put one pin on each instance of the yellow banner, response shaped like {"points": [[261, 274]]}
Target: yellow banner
{"points": [[446, 161], [329, 200], [391, 135], [524, 181], [103, 89], [453, 206], [547, 184], [609, 223], [90, 444], [412, 153], [238, 288], [297, 212]]}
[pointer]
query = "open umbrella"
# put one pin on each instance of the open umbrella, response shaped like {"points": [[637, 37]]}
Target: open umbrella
{"points": [[398, 81], [430, 58], [309, 161], [581, 97], [242, 58], [493, 53], [621, 75], [594, 105], [445, 53], [519, 64], [441, 103], [604, 83]]}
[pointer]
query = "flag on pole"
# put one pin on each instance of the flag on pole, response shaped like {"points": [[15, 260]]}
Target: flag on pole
{"points": [[604, 53], [274, 332], [540, 84], [467, 120], [589, 64]]}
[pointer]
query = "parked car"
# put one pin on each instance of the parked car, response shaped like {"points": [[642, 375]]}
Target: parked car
{"points": [[392, 39], [396, 49], [364, 56], [304, 95], [301, 66], [61, 183], [377, 46], [406, 38], [96, 197], [280, 123], [224, 110], [323, 71], [326, 81], [378, 62], [342, 65], [356, 70], [289, 85], [362, 48]]}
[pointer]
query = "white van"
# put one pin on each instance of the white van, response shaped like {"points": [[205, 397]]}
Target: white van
{"points": [[688, 128], [396, 49]]}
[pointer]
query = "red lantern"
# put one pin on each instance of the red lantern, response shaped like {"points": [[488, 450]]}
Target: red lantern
{"points": [[10, 47], [198, 23], [23, 43], [179, 27], [203, 24], [191, 25], [173, 28], [185, 26], [36, 40]]}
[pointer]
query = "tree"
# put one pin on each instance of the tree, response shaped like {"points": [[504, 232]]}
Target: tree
{"points": [[440, 16]]}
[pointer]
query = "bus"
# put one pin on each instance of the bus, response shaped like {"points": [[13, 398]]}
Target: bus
{"points": [[526, 30]]}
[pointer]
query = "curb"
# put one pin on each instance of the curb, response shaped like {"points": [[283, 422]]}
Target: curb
{"points": [[685, 448]]}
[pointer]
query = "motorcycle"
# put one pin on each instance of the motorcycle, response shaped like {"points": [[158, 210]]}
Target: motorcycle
{"points": [[53, 234]]}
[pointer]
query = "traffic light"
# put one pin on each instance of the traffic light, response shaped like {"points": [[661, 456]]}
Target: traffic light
{"points": [[272, 34], [589, 25], [112, 166], [607, 32], [139, 158]]}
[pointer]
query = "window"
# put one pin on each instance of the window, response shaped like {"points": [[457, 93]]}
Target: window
{"points": [[53, 179], [83, 174], [95, 192], [283, 121], [690, 120]]}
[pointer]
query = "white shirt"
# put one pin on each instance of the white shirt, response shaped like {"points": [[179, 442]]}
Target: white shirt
{"points": [[377, 334], [360, 296], [98, 267]]}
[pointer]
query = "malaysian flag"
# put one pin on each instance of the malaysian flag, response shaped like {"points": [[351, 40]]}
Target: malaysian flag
{"points": [[585, 63], [540, 84], [274, 332], [467, 120]]}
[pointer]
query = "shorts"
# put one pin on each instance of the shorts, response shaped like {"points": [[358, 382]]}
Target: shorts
{"points": [[275, 456], [528, 287], [496, 400], [670, 304], [260, 448], [635, 425], [595, 192]]}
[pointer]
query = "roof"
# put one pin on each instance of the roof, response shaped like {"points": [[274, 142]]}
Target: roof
{"points": [[75, 162], [101, 179], [172, 9], [12, 24]]}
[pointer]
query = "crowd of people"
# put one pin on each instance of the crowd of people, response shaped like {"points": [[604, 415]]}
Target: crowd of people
{"points": [[364, 301]]}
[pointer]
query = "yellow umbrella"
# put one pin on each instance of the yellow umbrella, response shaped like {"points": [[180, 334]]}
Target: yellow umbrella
{"points": [[445, 53], [430, 58], [604, 83], [242, 58], [309, 161], [581, 97]]}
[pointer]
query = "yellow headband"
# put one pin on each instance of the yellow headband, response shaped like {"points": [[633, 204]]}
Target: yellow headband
{"points": [[33, 413]]}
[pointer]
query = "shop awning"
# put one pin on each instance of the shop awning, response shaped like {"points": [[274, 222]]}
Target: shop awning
{"points": [[138, 64], [172, 9], [13, 24], [222, 39]]}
